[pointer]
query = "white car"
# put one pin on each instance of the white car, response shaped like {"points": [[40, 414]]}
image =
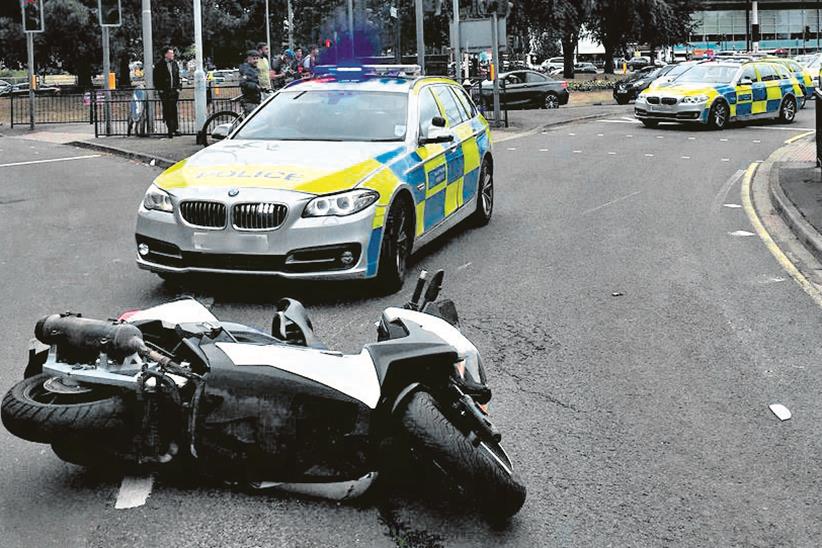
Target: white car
{"points": [[552, 64]]}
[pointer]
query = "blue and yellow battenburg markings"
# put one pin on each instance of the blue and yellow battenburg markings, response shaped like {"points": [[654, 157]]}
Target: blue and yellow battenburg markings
{"points": [[441, 179]]}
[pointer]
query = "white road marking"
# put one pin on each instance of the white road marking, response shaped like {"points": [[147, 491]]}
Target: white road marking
{"points": [[466, 265], [741, 233], [598, 134], [52, 160], [773, 280], [755, 140], [510, 148], [629, 136], [574, 151], [779, 128], [571, 134], [689, 138], [721, 194], [611, 153], [134, 490], [612, 202], [542, 149], [722, 140], [726, 160], [620, 121], [731, 206], [632, 120], [683, 157], [658, 136], [649, 155]]}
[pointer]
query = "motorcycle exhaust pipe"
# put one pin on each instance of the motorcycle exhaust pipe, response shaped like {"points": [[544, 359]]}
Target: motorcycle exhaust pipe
{"points": [[87, 335]]}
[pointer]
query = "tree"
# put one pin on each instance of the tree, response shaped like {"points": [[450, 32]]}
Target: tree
{"points": [[613, 23]]}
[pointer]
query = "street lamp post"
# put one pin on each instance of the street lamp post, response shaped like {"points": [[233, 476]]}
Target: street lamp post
{"points": [[420, 36], [199, 73], [148, 63]]}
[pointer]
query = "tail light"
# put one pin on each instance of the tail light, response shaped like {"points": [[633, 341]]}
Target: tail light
{"points": [[127, 314]]}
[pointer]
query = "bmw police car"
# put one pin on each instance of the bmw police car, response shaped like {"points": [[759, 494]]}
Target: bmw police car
{"points": [[718, 93], [342, 176]]}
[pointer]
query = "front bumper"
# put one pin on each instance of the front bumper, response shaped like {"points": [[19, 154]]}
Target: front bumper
{"points": [[678, 112], [300, 248], [626, 93]]}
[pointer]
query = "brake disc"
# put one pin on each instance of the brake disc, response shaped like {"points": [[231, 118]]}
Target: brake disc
{"points": [[60, 385]]}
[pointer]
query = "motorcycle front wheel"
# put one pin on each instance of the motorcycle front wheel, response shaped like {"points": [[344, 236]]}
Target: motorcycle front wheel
{"points": [[483, 473], [42, 409]]}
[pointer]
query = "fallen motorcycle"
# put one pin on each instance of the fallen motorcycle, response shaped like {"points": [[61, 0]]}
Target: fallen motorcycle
{"points": [[172, 383]]}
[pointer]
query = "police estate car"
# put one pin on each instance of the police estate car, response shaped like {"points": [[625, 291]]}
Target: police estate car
{"points": [[342, 176], [717, 93]]}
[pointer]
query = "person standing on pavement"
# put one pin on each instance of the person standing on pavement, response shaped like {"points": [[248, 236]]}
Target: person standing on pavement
{"points": [[263, 67], [250, 82], [311, 61], [167, 83], [281, 68]]}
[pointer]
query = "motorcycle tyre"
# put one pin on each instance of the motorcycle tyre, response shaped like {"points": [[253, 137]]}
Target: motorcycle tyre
{"points": [[483, 482], [41, 422]]}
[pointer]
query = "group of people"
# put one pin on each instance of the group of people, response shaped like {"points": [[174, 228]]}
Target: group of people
{"points": [[259, 78]]}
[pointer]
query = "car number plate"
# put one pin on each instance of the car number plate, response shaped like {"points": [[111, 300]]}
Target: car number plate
{"points": [[226, 242]]}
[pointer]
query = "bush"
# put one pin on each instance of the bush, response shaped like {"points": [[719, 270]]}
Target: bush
{"points": [[590, 85]]}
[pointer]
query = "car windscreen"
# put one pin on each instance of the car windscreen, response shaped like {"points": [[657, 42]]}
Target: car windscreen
{"points": [[709, 74], [329, 115], [678, 70]]}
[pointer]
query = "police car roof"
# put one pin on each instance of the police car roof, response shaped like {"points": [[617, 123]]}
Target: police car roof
{"points": [[391, 84]]}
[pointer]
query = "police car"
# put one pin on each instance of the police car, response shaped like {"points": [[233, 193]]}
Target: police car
{"points": [[718, 93], [338, 177]]}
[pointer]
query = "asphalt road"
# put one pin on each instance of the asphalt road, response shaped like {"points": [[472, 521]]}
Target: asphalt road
{"points": [[634, 338]]}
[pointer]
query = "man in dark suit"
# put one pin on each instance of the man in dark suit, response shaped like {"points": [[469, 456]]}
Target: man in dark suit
{"points": [[167, 84]]}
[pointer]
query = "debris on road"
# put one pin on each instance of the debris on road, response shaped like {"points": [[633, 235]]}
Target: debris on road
{"points": [[782, 412], [617, 294]]}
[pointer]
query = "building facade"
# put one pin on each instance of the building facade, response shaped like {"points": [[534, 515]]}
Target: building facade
{"points": [[783, 24]]}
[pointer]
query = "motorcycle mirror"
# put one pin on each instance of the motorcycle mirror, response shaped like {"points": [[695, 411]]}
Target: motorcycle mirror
{"points": [[434, 287], [448, 312], [415, 298]]}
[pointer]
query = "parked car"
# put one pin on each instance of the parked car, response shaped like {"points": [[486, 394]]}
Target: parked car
{"points": [[588, 68], [629, 88], [222, 76], [802, 74], [22, 89], [5, 88], [526, 88], [551, 64], [637, 63]]}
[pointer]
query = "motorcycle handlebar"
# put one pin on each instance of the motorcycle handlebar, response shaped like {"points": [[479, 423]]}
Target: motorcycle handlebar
{"points": [[84, 334]]}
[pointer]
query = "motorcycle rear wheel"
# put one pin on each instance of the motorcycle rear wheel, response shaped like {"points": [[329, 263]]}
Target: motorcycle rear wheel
{"points": [[482, 473], [31, 412]]}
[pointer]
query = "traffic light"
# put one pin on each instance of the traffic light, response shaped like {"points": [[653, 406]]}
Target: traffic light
{"points": [[327, 43], [32, 15], [108, 12]]}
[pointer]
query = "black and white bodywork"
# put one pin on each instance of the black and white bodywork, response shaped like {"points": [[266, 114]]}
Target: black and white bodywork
{"points": [[173, 383]]}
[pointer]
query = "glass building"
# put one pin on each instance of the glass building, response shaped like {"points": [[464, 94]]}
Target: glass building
{"points": [[788, 24]]}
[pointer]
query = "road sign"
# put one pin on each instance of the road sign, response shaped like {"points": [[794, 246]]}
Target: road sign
{"points": [[476, 34], [32, 15], [394, 13], [108, 11]]}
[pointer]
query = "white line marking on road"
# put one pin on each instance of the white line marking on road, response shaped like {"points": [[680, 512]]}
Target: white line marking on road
{"points": [[719, 198], [571, 134], [620, 121], [649, 155], [49, 161], [612, 202], [511, 148], [755, 140], [542, 149], [134, 490], [689, 138], [773, 280], [721, 140], [632, 120], [658, 136], [731, 206], [726, 160], [598, 134], [744, 233], [574, 151], [683, 157], [466, 265], [629, 136], [611, 153], [779, 128]]}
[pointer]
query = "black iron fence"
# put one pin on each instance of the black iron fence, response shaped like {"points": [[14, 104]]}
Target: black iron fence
{"points": [[483, 97], [142, 113], [51, 108]]}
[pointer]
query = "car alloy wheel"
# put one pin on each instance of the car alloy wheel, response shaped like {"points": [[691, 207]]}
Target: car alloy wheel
{"points": [[719, 116], [487, 195], [788, 110], [551, 101]]}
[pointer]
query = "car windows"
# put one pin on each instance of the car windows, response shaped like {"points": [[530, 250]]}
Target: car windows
{"points": [[767, 73], [428, 110], [534, 78], [783, 73], [514, 78], [453, 113], [465, 102], [749, 72]]}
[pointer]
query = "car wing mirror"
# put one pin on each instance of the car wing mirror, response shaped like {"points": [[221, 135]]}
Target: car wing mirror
{"points": [[221, 132], [437, 132], [745, 82]]}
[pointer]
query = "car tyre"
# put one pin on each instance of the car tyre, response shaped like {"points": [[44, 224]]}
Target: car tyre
{"points": [[551, 100], [622, 100], [718, 115], [650, 123], [787, 112], [397, 241], [485, 196]]}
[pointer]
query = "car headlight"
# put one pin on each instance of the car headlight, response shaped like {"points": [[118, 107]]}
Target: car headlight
{"points": [[342, 204], [158, 200], [695, 99], [639, 84]]}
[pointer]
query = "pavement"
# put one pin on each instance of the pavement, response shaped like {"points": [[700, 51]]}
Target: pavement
{"points": [[634, 327]]}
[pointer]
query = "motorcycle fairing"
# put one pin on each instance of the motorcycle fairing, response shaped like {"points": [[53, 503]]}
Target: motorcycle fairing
{"points": [[351, 374], [262, 423], [185, 310]]}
